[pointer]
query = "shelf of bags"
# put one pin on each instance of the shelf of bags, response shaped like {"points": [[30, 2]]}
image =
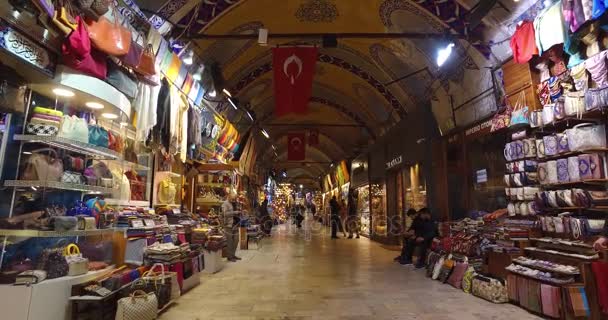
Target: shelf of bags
{"points": [[127, 203], [53, 234], [545, 280], [571, 153], [70, 145], [574, 183], [58, 185]]}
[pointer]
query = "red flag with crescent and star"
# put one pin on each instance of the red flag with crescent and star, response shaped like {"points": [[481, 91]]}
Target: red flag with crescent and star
{"points": [[294, 70], [296, 146]]}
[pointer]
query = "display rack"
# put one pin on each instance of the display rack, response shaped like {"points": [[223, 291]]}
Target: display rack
{"points": [[87, 149], [58, 185]]}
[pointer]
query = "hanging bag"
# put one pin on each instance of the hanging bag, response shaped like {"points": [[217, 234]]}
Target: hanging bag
{"points": [[109, 37], [586, 136], [520, 114], [77, 264], [78, 54], [146, 66]]}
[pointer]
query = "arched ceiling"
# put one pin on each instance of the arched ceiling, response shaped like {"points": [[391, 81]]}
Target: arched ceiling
{"points": [[355, 82]]}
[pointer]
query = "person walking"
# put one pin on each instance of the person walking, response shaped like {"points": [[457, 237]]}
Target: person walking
{"points": [[231, 229], [343, 217], [335, 217], [352, 223], [266, 221]]}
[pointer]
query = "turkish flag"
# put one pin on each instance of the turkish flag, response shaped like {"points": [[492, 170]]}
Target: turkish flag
{"points": [[296, 146], [294, 70], [313, 138]]}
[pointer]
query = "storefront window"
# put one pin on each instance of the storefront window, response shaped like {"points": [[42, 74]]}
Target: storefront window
{"points": [[487, 166], [363, 209], [378, 194]]}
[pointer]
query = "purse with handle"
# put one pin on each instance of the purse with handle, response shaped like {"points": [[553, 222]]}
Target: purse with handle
{"points": [[109, 37], [43, 167], [139, 305], [77, 264]]}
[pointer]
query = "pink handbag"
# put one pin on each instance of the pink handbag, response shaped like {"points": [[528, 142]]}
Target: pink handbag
{"points": [[458, 272], [78, 54]]}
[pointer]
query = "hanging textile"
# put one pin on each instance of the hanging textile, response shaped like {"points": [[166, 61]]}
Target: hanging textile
{"points": [[523, 42], [549, 28]]}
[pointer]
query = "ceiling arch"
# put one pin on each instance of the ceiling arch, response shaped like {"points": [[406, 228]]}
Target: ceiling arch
{"points": [[354, 81]]}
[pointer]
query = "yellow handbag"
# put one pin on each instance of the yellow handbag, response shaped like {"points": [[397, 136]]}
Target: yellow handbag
{"points": [[77, 263], [166, 192]]}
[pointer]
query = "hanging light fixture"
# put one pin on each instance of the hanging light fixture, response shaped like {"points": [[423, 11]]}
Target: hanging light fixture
{"points": [[444, 54], [188, 58], [233, 103], [226, 92], [198, 75], [265, 133]]}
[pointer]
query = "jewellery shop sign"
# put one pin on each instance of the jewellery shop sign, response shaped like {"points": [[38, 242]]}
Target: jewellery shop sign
{"points": [[395, 162]]}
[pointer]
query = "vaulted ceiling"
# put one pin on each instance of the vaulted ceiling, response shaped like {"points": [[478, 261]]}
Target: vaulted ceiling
{"points": [[354, 85]]}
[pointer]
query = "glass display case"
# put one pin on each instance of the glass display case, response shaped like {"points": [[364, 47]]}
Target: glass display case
{"points": [[379, 218], [363, 209]]}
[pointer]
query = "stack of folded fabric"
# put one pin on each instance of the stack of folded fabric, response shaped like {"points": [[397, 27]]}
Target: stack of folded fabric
{"points": [[163, 253], [45, 122]]}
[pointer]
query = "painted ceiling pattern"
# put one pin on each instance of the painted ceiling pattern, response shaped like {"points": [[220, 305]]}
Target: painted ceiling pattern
{"points": [[361, 70]]}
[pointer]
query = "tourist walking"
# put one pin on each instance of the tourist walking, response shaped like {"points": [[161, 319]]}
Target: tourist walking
{"points": [[335, 217], [352, 222]]}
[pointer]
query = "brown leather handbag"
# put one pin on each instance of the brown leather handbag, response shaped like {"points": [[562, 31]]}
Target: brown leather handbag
{"points": [[146, 65], [109, 37]]}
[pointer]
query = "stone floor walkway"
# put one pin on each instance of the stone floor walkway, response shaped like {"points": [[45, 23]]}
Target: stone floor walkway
{"points": [[298, 275]]}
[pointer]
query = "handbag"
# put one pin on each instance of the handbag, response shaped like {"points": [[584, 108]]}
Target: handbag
{"points": [[455, 279], [40, 129], [72, 177], [74, 128], [43, 167], [146, 65], [12, 91], [77, 265], [446, 269], [109, 37], [161, 282], [133, 57], [520, 113], [536, 118], [73, 163], [574, 104], [52, 261], [115, 142], [467, 279], [121, 185], [490, 289], [596, 98], [77, 53], [562, 171], [437, 268], [139, 305], [548, 116], [586, 136], [502, 119], [431, 260], [123, 81], [167, 191], [98, 136], [138, 187], [30, 277]]}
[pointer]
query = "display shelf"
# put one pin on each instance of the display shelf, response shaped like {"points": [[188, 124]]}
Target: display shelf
{"points": [[127, 203], [563, 254], [134, 166], [53, 234], [574, 183], [70, 145], [545, 280], [58, 185], [571, 153], [532, 266]]}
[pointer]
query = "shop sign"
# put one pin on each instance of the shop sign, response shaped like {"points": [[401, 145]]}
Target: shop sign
{"points": [[25, 49], [482, 176], [395, 162], [479, 129]]}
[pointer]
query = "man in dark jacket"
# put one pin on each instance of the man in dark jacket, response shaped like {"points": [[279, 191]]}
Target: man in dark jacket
{"points": [[424, 231], [335, 217]]}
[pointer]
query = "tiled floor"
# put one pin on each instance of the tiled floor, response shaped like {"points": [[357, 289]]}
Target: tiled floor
{"points": [[298, 275]]}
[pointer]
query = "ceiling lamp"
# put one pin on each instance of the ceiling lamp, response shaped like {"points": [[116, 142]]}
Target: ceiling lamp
{"points": [[226, 92], [249, 115], [233, 104], [212, 93], [263, 37], [110, 116], [198, 75], [94, 105], [188, 58], [63, 92], [444, 54], [265, 134]]}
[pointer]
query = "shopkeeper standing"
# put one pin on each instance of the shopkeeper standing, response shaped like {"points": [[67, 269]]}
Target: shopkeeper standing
{"points": [[231, 229]]}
